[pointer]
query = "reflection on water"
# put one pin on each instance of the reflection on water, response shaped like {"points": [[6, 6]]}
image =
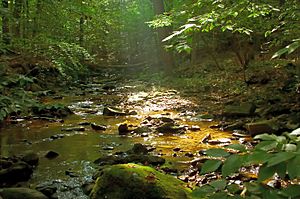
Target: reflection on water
{"points": [[77, 150]]}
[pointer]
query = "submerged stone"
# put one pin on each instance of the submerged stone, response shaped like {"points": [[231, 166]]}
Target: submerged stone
{"points": [[109, 111], [31, 158], [21, 193], [98, 127], [79, 128], [51, 154], [131, 181], [16, 172], [170, 128]]}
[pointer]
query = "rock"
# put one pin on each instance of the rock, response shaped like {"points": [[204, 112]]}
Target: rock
{"points": [[242, 110], [21, 193], [51, 154], [4, 164], [205, 117], [84, 123], [206, 138], [109, 87], [220, 141], [142, 129], [57, 136], [51, 111], [47, 190], [109, 111], [17, 172], [108, 148], [125, 158], [87, 187], [170, 128], [31, 158], [138, 148], [71, 174], [235, 126], [132, 113], [98, 127], [123, 129], [79, 128], [189, 154], [194, 128], [176, 149], [134, 181], [265, 126], [167, 120]]}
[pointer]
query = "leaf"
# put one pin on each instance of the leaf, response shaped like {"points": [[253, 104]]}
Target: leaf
{"points": [[217, 153], [287, 50], [266, 137], [280, 157], [232, 164], [199, 192], [219, 184], [238, 147], [290, 147], [265, 173], [221, 195], [266, 145], [233, 188], [291, 191], [281, 169], [293, 167], [295, 132], [210, 166]]}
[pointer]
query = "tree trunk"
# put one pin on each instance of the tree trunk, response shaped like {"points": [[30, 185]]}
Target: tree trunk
{"points": [[17, 17], [165, 57], [81, 30], [38, 10], [5, 24]]}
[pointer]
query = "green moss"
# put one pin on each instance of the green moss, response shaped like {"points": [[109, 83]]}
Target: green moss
{"points": [[130, 181]]}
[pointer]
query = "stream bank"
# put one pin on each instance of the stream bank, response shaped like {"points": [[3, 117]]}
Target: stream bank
{"points": [[172, 127]]}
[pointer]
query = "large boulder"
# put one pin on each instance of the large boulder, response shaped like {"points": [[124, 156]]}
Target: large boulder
{"points": [[264, 126], [241, 110], [21, 193], [16, 172], [132, 181]]}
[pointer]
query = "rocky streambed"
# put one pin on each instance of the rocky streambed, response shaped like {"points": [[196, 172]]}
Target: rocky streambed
{"points": [[116, 123]]}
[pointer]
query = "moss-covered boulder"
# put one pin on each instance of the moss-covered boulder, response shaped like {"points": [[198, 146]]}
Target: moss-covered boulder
{"points": [[132, 181]]}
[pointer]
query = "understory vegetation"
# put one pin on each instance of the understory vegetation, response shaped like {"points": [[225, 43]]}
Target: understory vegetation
{"points": [[215, 52]]}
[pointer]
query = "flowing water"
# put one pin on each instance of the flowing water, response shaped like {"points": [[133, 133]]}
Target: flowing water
{"points": [[78, 149]]}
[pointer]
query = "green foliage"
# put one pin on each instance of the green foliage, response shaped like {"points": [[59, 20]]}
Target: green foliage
{"points": [[288, 49], [274, 155], [271, 22], [69, 58], [13, 98]]}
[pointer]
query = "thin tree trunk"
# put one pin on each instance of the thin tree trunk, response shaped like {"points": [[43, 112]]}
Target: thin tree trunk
{"points": [[5, 24], [17, 17], [36, 24], [165, 57], [81, 24]]}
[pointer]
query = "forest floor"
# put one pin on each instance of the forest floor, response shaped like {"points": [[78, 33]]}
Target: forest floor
{"points": [[198, 108]]}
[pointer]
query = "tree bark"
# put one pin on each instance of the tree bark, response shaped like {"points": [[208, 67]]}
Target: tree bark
{"points": [[5, 24], [166, 58], [36, 24], [17, 17], [81, 24]]}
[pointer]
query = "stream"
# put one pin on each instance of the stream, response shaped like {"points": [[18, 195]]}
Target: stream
{"points": [[78, 149]]}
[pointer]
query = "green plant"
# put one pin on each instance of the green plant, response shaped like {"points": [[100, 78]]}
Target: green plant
{"points": [[69, 59], [274, 155]]}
